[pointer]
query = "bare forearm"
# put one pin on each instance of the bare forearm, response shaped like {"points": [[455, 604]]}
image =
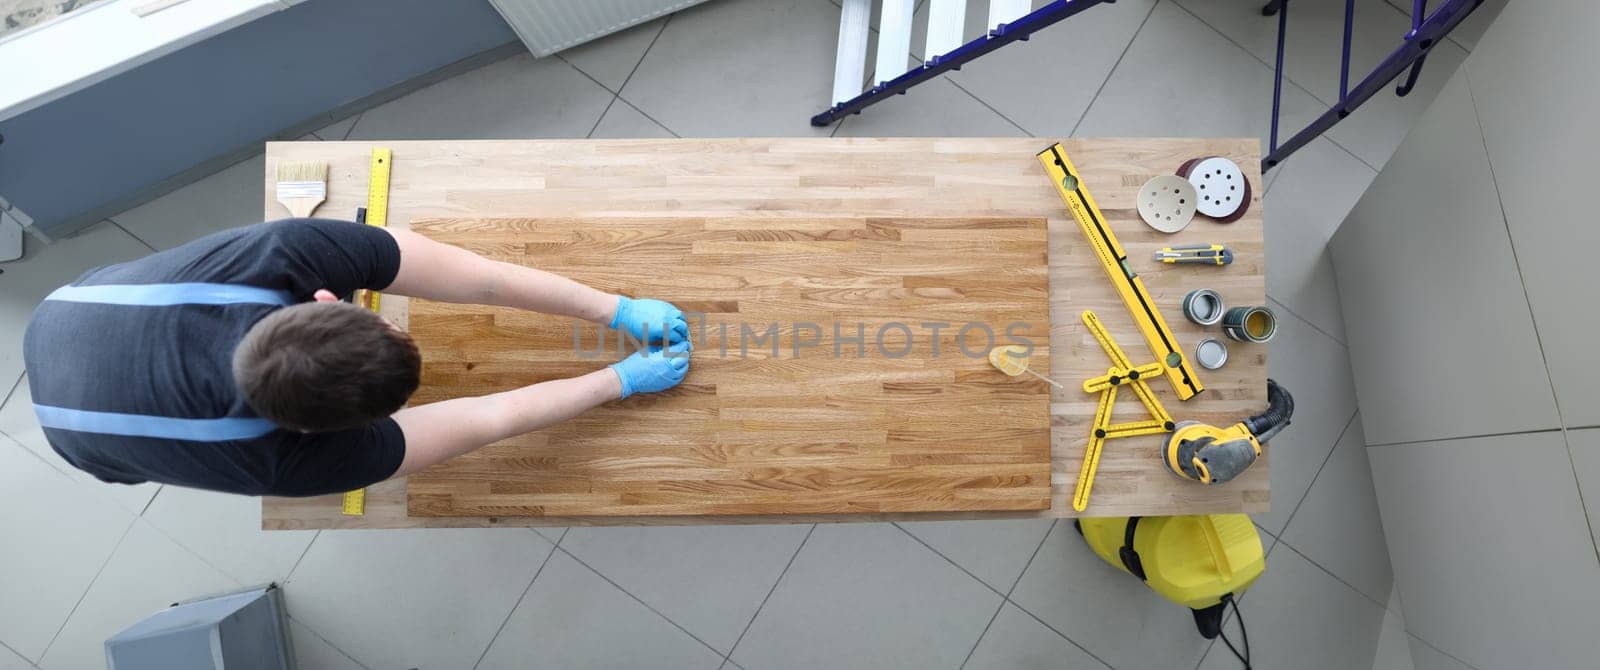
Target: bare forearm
{"points": [[436, 271], [443, 430]]}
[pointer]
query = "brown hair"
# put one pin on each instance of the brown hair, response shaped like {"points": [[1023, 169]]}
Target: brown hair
{"points": [[325, 366]]}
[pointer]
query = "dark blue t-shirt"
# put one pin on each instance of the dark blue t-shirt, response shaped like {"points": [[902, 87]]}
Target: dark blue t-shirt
{"points": [[177, 361]]}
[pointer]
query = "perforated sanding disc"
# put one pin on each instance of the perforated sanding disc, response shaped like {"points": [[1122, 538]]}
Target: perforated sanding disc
{"points": [[1167, 203], [1219, 183]]}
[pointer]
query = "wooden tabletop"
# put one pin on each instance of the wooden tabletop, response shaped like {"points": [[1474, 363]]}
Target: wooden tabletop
{"points": [[818, 178]]}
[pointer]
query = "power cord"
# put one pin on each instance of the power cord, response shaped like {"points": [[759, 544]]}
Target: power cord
{"points": [[1244, 637]]}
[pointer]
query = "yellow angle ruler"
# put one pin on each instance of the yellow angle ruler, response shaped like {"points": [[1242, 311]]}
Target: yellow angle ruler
{"points": [[1115, 261], [355, 502], [1121, 373]]}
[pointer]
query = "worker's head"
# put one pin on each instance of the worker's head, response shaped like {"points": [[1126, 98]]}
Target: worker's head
{"points": [[325, 365]]}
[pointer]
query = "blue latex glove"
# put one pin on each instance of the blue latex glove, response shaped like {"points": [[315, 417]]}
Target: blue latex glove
{"points": [[646, 318], [653, 370]]}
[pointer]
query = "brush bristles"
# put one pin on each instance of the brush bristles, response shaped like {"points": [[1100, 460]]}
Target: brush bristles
{"points": [[303, 171]]}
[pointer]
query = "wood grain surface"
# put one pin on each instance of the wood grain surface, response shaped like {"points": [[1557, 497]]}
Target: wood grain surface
{"points": [[781, 178], [816, 386]]}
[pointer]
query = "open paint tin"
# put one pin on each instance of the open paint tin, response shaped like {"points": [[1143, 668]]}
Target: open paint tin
{"points": [[1250, 324], [1203, 306]]}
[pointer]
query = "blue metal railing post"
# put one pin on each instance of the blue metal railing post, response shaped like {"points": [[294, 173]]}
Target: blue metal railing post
{"points": [[1282, 8], [1344, 60]]}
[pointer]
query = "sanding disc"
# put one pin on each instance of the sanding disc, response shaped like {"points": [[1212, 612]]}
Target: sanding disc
{"points": [[1219, 183], [1167, 203]]}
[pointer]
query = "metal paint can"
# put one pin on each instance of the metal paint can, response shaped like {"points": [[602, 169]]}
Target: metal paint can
{"points": [[1211, 353], [1203, 306], [1250, 324]]}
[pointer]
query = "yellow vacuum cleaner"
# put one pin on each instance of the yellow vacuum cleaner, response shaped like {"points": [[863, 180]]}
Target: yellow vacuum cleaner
{"points": [[1202, 562]]}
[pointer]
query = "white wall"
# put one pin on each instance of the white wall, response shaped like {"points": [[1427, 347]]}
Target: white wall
{"points": [[1473, 319]]}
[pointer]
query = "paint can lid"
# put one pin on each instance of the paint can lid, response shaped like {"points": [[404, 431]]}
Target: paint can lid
{"points": [[1211, 353]]}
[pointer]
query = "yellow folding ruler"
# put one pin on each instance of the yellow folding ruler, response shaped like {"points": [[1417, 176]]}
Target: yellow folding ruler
{"points": [[1115, 261], [355, 502], [1121, 373]]}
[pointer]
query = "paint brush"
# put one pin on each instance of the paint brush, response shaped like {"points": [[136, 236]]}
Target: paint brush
{"points": [[302, 185]]}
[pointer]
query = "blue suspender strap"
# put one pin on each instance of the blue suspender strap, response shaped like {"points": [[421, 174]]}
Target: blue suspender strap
{"points": [[141, 425], [159, 295]]}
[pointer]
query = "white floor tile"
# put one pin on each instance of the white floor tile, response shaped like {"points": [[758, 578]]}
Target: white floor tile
{"points": [[1180, 78], [519, 97], [1297, 616], [58, 535], [994, 551], [148, 573], [1394, 645], [572, 618], [708, 579], [1448, 206], [612, 58], [337, 130], [1425, 657], [9, 660], [1338, 525], [227, 199], [225, 530], [868, 596], [45, 268], [1444, 533], [935, 108], [622, 121], [413, 598], [311, 652], [1375, 130], [1109, 612], [17, 421], [1316, 189], [741, 68], [1315, 369], [1016, 641], [1027, 82]]}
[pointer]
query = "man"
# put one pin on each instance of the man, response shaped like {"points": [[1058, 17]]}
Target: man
{"points": [[229, 363]]}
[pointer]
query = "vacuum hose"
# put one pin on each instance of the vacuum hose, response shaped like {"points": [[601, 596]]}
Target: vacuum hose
{"points": [[1280, 407]]}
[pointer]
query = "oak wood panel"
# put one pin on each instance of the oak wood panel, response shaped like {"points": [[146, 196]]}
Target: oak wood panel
{"points": [[787, 178], [816, 385]]}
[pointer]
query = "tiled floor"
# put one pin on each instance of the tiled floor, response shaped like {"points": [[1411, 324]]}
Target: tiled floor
{"points": [[86, 559]]}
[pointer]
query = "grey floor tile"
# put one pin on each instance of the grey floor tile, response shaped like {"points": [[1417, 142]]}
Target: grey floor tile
{"points": [[708, 579], [551, 533], [1584, 445], [225, 531], [1471, 30], [934, 108], [867, 596], [9, 660], [1316, 371], [741, 68], [311, 652], [337, 130], [1444, 531], [572, 618], [612, 58], [1338, 526], [1425, 657], [148, 573], [519, 97], [1297, 616], [1028, 82], [1180, 78], [1109, 612], [58, 534], [994, 551], [1394, 645], [1535, 154], [413, 598], [46, 267], [227, 199], [622, 121], [1017, 641], [18, 422], [1317, 188], [1375, 130], [1410, 289]]}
